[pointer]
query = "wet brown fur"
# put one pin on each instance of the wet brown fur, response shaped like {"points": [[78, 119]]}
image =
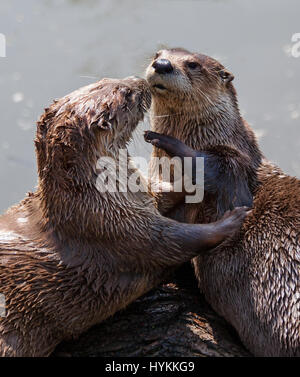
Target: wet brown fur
{"points": [[253, 280], [70, 255]]}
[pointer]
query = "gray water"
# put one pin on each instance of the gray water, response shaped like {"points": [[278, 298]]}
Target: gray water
{"points": [[54, 47]]}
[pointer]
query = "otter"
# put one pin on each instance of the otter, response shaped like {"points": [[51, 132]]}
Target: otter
{"points": [[253, 279], [72, 254]]}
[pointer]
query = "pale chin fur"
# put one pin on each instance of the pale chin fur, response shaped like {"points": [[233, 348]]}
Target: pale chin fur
{"points": [[203, 108], [175, 82]]}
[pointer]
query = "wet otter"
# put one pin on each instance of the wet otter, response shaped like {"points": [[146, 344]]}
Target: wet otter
{"points": [[71, 255], [252, 280]]}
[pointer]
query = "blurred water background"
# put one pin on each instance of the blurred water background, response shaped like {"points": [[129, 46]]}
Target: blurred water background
{"points": [[56, 46]]}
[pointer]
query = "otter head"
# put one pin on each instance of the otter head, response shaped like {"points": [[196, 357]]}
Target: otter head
{"points": [[182, 81], [93, 121], [73, 133]]}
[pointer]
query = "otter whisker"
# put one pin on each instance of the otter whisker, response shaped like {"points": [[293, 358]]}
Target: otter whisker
{"points": [[206, 97], [89, 77], [166, 115]]}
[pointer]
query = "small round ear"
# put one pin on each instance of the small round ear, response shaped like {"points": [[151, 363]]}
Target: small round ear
{"points": [[104, 124], [101, 124], [226, 76], [101, 120]]}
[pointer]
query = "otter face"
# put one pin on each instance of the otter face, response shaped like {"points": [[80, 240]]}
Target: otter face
{"points": [[120, 105], [111, 106], [176, 75], [92, 121]]}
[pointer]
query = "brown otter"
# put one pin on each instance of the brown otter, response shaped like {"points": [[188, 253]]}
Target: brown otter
{"points": [[71, 255], [252, 280]]}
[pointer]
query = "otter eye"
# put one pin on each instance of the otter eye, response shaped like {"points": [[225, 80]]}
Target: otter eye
{"points": [[156, 55], [192, 65], [224, 75]]}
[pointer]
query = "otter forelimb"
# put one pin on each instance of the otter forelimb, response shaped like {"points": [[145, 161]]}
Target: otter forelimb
{"points": [[225, 170]]}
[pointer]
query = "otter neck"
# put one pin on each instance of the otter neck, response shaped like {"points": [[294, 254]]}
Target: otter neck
{"points": [[67, 199], [203, 126], [78, 208]]}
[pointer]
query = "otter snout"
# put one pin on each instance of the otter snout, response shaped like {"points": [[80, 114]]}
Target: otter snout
{"points": [[162, 66], [165, 75]]}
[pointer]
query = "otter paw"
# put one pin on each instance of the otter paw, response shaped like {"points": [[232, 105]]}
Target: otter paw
{"points": [[233, 220], [149, 136], [169, 144]]}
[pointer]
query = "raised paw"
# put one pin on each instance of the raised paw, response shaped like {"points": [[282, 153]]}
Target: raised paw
{"points": [[169, 144]]}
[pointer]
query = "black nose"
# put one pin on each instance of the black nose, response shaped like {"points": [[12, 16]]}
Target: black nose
{"points": [[162, 66]]}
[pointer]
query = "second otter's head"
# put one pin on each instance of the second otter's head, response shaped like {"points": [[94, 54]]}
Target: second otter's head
{"points": [[93, 121], [188, 81]]}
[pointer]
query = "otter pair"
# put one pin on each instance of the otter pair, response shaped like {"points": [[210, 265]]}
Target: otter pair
{"points": [[71, 255]]}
